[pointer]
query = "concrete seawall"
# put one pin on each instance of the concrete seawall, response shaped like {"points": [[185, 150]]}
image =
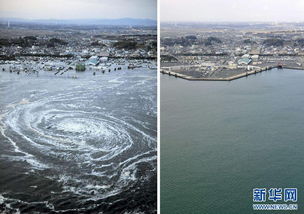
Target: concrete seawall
{"points": [[238, 76]]}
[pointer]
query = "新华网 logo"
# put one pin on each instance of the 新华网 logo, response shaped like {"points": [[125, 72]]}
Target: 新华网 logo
{"points": [[273, 198]]}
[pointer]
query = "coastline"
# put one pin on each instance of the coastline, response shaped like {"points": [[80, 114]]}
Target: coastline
{"points": [[234, 77]]}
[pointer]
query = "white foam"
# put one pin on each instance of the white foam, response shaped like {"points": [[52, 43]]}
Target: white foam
{"points": [[65, 127]]}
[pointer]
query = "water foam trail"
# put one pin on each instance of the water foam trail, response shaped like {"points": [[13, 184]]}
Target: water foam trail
{"points": [[93, 139], [59, 130]]}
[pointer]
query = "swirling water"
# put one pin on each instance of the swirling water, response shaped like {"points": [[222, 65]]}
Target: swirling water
{"points": [[78, 145]]}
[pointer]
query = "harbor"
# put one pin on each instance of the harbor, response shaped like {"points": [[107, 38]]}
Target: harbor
{"points": [[229, 78]]}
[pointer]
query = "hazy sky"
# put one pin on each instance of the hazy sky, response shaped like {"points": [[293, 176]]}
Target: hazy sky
{"points": [[75, 9], [232, 10]]}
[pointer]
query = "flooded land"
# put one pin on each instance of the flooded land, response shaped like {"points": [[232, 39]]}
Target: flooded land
{"points": [[78, 120]]}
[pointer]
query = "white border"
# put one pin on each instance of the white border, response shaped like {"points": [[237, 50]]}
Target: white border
{"points": [[158, 106]]}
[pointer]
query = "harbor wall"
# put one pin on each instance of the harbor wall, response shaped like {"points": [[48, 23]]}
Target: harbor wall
{"points": [[238, 76]]}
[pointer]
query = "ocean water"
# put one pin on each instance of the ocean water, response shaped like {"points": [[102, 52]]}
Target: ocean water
{"points": [[219, 140], [85, 145]]}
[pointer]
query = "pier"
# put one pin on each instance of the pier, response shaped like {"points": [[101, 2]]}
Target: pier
{"points": [[234, 77]]}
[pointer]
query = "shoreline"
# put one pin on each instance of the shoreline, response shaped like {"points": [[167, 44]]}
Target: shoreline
{"points": [[238, 76]]}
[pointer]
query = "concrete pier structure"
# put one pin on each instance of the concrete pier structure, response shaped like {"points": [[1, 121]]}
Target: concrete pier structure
{"points": [[234, 77]]}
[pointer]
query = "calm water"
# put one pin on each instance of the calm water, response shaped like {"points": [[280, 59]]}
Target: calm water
{"points": [[219, 140], [78, 145]]}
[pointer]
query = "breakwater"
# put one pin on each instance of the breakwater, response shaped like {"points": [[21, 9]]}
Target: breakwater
{"points": [[230, 78]]}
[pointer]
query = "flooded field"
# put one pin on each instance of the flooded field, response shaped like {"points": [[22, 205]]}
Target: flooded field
{"points": [[78, 145]]}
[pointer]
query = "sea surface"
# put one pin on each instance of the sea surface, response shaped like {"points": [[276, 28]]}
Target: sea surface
{"points": [[85, 145], [220, 140]]}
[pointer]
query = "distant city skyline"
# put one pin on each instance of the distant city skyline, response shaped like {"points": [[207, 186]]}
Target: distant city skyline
{"points": [[231, 11], [78, 9]]}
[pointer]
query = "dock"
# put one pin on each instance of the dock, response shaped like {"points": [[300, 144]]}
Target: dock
{"points": [[234, 77]]}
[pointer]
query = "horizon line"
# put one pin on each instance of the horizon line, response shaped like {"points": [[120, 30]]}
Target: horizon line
{"points": [[201, 22], [35, 19]]}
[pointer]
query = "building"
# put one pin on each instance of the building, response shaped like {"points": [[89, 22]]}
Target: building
{"points": [[244, 61], [103, 59], [93, 60], [255, 57]]}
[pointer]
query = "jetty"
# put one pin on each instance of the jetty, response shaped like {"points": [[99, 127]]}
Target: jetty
{"points": [[230, 78]]}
